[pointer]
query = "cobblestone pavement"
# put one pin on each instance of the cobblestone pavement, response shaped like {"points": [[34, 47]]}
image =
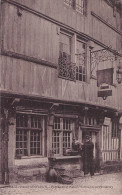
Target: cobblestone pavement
{"points": [[108, 184]]}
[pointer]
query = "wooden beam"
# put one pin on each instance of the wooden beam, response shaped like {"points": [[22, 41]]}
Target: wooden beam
{"points": [[27, 58], [106, 23]]}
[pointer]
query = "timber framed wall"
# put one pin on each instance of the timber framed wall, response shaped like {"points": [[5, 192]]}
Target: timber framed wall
{"points": [[30, 46]]}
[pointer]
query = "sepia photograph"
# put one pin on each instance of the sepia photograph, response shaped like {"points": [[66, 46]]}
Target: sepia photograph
{"points": [[60, 97]]}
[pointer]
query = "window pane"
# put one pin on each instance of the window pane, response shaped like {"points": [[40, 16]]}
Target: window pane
{"points": [[65, 42], [55, 142], [21, 142], [22, 120], [80, 62], [56, 123], [31, 134], [35, 142], [68, 2], [80, 6], [36, 121], [66, 140], [66, 124]]}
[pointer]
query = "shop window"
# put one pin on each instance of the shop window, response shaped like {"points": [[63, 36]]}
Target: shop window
{"points": [[81, 61], [115, 129], [62, 135], [29, 129]]}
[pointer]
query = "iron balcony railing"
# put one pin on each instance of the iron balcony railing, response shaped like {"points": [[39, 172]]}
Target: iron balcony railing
{"points": [[67, 69]]}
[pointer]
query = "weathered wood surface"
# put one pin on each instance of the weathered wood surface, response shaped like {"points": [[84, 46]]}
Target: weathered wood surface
{"points": [[110, 145], [37, 37], [62, 13], [18, 76], [29, 35]]}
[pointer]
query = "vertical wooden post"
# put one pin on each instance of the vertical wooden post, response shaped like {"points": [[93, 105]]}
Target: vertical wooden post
{"points": [[1, 126], [4, 147], [88, 62], [121, 143], [6, 111], [77, 129], [49, 133], [100, 135], [50, 122], [120, 138]]}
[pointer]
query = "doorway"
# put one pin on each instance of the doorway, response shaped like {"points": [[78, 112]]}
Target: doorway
{"points": [[95, 139]]}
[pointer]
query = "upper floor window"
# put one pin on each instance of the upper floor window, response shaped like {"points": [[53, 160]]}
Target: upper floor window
{"points": [[81, 61], [65, 46], [67, 56], [66, 67], [78, 5], [68, 2]]}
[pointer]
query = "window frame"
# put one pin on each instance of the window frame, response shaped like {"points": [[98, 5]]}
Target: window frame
{"points": [[68, 2], [66, 65], [75, 4], [61, 132], [85, 61], [38, 142], [69, 35]]}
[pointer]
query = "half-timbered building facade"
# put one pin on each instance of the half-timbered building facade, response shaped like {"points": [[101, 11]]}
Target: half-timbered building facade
{"points": [[55, 58]]}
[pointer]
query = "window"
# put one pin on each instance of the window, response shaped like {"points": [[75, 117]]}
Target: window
{"points": [[62, 135], [89, 120], [29, 134], [66, 133], [65, 46], [66, 67], [68, 2], [115, 129], [81, 61], [78, 5]]}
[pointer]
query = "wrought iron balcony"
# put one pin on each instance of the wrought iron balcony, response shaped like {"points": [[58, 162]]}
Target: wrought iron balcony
{"points": [[67, 69]]}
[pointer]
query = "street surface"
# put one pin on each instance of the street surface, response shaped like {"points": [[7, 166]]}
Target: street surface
{"points": [[107, 184]]}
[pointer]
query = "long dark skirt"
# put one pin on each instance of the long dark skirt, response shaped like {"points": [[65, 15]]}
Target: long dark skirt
{"points": [[88, 166]]}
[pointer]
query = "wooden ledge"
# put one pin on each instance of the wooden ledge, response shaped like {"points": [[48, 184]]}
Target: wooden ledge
{"points": [[64, 157]]}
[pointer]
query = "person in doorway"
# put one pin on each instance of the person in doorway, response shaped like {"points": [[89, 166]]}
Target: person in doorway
{"points": [[87, 156]]}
